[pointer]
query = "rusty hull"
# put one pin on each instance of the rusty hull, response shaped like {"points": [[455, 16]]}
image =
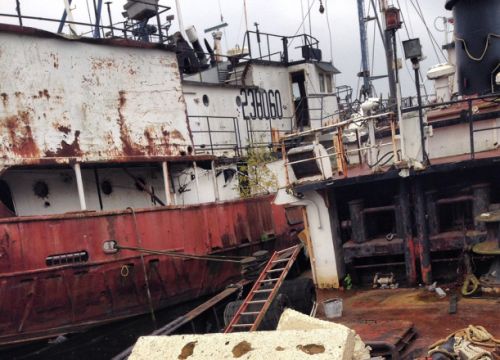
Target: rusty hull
{"points": [[40, 301]]}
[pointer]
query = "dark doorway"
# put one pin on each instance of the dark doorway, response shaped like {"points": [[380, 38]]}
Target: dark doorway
{"points": [[300, 99], [6, 202]]}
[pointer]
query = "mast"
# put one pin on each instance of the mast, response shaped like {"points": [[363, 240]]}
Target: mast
{"points": [[389, 55], [366, 90]]}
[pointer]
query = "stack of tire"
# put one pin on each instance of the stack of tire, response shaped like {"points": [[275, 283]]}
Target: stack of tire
{"points": [[252, 266]]}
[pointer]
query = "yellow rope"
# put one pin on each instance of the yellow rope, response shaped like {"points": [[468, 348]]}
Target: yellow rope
{"points": [[481, 57], [475, 334]]}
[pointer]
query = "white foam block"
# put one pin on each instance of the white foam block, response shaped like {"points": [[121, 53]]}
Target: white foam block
{"points": [[286, 345]]}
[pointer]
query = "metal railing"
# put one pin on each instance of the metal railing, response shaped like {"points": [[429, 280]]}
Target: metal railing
{"points": [[338, 152], [256, 137], [466, 115], [283, 54], [127, 29], [212, 145]]}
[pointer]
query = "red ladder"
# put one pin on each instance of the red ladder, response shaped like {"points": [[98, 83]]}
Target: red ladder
{"points": [[263, 292]]}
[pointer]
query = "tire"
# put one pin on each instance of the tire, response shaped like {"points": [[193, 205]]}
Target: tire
{"points": [[271, 319], [301, 294]]}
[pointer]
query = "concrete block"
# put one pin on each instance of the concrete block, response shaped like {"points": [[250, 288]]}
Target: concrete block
{"points": [[293, 320], [282, 345]]}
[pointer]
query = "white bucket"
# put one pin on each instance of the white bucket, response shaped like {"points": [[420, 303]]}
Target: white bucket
{"points": [[333, 308]]}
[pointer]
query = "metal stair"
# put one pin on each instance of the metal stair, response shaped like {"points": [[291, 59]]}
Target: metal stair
{"points": [[259, 299]]}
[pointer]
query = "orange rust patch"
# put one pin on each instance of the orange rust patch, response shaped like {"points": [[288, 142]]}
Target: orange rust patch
{"points": [[128, 146], [67, 150], [21, 140], [175, 134]]}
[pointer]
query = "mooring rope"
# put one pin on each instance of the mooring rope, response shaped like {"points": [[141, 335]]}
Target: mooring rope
{"points": [[220, 258]]}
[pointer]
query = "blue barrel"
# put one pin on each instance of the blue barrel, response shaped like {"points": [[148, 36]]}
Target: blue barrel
{"points": [[477, 42]]}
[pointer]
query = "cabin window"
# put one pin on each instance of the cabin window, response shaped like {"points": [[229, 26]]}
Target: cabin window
{"points": [[328, 79], [325, 83], [205, 99], [321, 83]]}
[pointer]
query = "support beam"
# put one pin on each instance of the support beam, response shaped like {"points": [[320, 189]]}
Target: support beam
{"points": [[357, 220], [214, 180], [422, 232], [79, 184], [410, 250], [480, 203], [325, 264], [166, 182], [197, 181]]}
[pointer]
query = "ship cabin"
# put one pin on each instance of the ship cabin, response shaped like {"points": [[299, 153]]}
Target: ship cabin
{"points": [[400, 190]]}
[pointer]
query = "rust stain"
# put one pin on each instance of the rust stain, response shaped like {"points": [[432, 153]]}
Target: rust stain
{"points": [[46, 94], [20, 135], [151, 141], [175, 134], [127, 144], [5, 99], [99, 64], [64, 129], [132, 71], [67, 150], [55, 60]]}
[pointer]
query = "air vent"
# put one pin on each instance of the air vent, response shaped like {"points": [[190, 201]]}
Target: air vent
{"points": [[68, 258]]}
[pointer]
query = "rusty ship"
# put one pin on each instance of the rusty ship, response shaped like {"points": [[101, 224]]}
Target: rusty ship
{"points": [[125, 180]]}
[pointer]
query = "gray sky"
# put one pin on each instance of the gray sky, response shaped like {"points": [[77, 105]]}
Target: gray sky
{"points": [[282, 17]]}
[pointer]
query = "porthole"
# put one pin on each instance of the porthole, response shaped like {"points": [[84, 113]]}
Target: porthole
{"points": [[238, 101], [106, 187], [205, 99], [41, 189]]}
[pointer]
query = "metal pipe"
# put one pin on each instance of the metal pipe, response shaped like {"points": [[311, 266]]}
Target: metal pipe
{"points": [[18, 10], [471, 128], [416, 67], [454, 200], [108, 3], [63, 20], [214, 180], [377, 209], [166, 182], [367, 88], [79, 184], [97, 28]]}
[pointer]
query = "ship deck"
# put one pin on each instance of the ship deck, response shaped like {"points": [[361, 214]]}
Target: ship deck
{"points": [[385, 315]]}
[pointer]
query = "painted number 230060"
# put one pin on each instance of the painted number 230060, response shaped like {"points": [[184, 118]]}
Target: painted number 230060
{"points": [[261, 104]]}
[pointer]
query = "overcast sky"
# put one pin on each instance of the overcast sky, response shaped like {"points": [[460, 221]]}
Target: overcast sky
{"points": [[283, 17]]}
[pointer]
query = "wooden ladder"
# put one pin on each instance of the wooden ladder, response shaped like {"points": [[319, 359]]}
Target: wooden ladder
{"points": [[263, 292]]}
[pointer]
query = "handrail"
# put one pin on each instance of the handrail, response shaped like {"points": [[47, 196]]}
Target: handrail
{"points": [[124, 27]]}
